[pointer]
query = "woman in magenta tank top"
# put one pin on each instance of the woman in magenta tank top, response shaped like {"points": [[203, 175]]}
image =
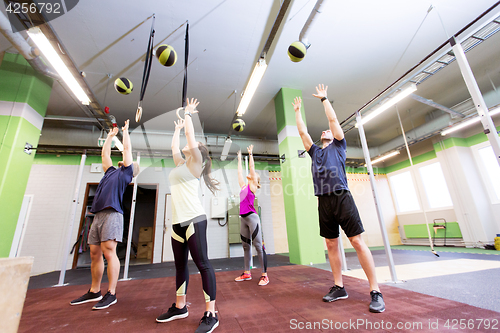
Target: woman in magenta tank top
{"points": [[250, 231]]}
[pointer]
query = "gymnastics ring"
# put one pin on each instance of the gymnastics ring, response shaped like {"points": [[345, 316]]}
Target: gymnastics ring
{"points": [[177, 112], [138, 114]]}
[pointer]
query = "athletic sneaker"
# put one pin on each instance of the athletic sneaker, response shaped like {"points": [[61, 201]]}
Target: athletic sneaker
{"points": [[335, 293], [377, 304], [208, 323], [105, 302], [243, 277], [264, 280], [173, 313], [88, 297]]}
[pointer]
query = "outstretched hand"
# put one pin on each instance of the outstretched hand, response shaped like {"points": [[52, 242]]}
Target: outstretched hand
{"points": [[179, 124], [239, 154], [113, 132], [297, 102], [250, 149], [321, 91], [125, 127], [191, 106]]}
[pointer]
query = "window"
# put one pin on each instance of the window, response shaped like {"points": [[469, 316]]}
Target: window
{"points": [[435, 187], [404, 192], [492, 168]]}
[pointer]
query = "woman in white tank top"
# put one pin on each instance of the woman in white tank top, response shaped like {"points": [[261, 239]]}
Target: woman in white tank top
{"points": [[189, 222]]}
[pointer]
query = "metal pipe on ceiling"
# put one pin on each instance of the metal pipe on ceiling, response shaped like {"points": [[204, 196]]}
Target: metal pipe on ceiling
{"points": [[31, 54], [310, 20]]}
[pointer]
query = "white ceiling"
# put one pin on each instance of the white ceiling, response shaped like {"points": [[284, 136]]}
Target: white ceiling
{"points": [[358, 49]]}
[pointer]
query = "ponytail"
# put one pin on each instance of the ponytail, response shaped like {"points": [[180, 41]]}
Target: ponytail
{"points": [[211, 182]]}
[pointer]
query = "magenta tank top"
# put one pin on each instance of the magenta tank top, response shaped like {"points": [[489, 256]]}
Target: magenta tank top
{"points": [[247, 198]]}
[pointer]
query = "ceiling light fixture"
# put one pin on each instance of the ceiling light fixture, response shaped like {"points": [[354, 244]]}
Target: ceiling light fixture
{"points": [[469, 122], [392, 101], [53, 58], [225, 150], [382, 158], [253, 83]]}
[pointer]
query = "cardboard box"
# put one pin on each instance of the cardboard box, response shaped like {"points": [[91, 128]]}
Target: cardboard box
{"points": [[145, 234], [144, 250]]}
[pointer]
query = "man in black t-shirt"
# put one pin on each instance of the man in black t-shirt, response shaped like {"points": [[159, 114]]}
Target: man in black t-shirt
{"points": [[335, 203], [107, 226]]}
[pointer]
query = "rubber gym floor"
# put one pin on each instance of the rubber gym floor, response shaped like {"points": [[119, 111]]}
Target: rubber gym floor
{"points": [[456, 292]]}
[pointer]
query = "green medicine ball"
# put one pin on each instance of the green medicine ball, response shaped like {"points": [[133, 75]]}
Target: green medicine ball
{"points": [[297, 51], [238, 125], [166, 55], [124, 86]]}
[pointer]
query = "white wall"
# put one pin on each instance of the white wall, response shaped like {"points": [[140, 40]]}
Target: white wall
{"points": [[477, 215], [52, 187], [361, 190]]}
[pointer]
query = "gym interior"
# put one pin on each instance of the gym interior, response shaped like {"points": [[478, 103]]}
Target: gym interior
{"points": [[415, 88]]}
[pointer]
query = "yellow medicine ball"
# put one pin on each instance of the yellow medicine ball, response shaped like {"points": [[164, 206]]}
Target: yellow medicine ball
{"points": [[297, 51], [124, 86], [238, 125], [166, 55]]}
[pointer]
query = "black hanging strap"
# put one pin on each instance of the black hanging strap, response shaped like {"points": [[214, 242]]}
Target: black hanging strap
{"points": [[147, 63], [186, 57]]}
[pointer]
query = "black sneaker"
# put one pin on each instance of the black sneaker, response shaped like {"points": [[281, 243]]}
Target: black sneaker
{"points": [[335, 293], [173, 313], [208, 323], [377, 304], [88, 297], [105, 302]]}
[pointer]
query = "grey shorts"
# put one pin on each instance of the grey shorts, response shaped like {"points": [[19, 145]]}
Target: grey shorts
{"points": [[107, 225]]}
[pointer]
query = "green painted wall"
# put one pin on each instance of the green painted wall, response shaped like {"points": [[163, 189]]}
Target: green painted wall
{"points": [[416, 160], [301, 206], [51, 159], [440, 146], [15, 167], [420, 231], [283, 101], [21, 84]]}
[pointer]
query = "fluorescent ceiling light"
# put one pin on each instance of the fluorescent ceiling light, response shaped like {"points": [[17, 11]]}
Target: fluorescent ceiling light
{"points": [[225, 150], [53, 58], [253, 83], [393, 100], [382, 158], [118, 144], [469, 122]]}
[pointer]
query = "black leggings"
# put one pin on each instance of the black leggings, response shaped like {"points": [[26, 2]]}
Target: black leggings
{"points": [[193, 238]]}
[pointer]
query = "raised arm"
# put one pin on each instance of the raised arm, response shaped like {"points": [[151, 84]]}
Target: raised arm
{"points": [[306, 138], [251, 163], [106, 149], [127, 146], [241, 178], [333, 122], [176, 152], [196, 157]]}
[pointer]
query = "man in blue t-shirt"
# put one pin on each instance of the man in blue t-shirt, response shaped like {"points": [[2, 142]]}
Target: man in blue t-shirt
{"points": [[107, 226], [336, 206]]}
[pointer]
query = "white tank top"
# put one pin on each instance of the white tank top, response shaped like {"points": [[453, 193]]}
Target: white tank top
{"points": [[184, 187]]}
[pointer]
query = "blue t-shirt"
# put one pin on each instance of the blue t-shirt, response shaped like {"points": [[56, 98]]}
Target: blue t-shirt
{"points": [[328, 167], [109, 193]]}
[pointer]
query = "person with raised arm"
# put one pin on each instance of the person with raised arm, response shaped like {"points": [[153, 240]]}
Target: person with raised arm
{"points": [[250, 231], [336, 205], [189, 221], [107, 226]]}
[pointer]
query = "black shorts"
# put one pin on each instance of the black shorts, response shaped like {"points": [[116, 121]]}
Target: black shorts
{"points": [[338, 208]]}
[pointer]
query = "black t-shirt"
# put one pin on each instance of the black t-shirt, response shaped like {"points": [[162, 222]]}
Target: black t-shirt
{"points": [[328, 167], [109, 193]]}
